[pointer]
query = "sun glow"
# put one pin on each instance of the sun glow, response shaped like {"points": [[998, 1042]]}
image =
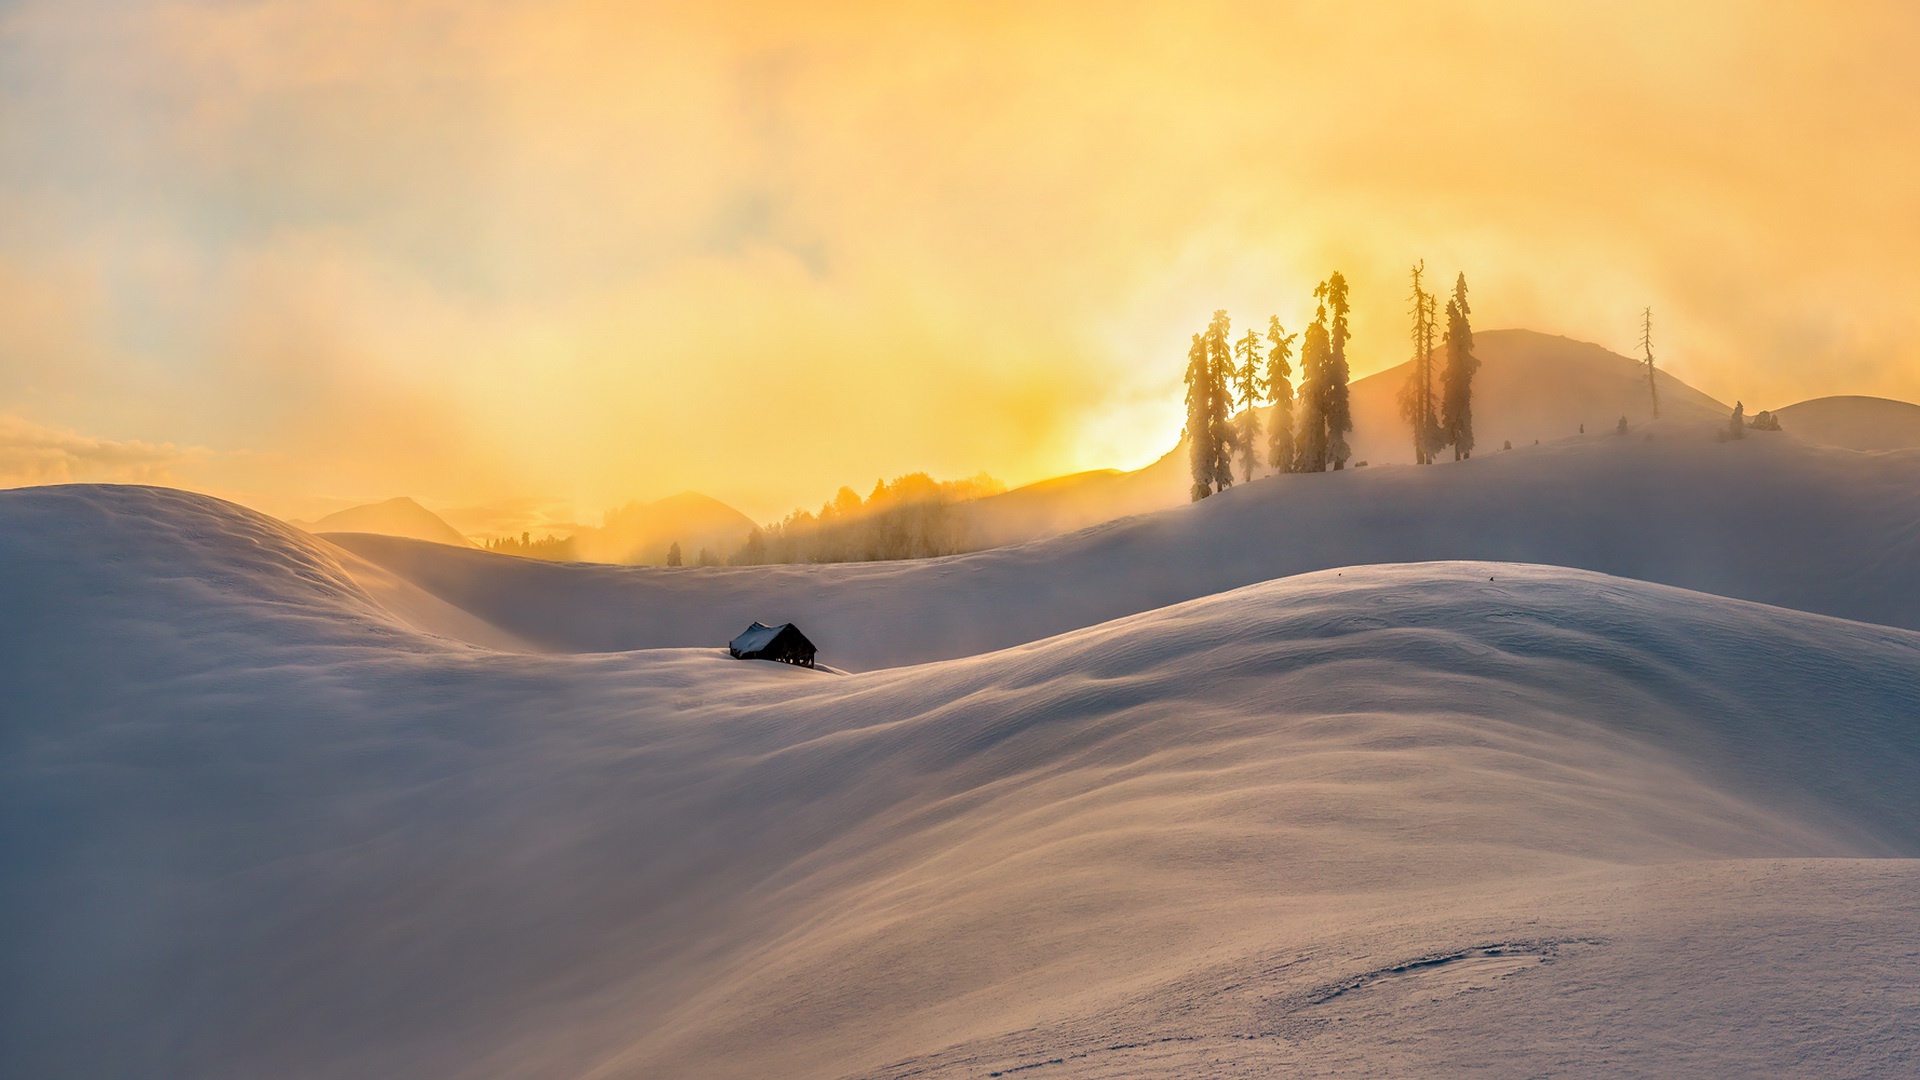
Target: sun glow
{"points": [[345, 250]]}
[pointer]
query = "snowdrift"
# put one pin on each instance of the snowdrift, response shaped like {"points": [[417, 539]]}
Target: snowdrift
{"points": [[1767, 518], [1379, 820]]}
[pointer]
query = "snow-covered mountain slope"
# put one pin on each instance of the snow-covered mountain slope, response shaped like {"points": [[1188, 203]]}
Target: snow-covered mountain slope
{"points": [[1530, 386], [1374, 821], [1766, 518]]}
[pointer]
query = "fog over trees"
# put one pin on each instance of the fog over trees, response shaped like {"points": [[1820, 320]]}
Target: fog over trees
{"points": [[1250, 388], [1308, 429], [1646, 346], [910, 518], [550, 547]]}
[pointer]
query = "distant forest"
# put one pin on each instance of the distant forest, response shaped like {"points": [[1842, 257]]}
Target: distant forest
{"points": [[910, 518], [554, 548]]}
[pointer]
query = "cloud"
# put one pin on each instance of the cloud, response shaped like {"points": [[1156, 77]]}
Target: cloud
{"points": [[35, 454], [511, 517], [468, 250]]}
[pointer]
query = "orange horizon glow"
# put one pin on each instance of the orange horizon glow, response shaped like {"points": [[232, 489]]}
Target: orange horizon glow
{"points": [[567, 255]]}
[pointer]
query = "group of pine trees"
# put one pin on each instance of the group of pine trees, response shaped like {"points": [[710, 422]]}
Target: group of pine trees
{"points": [[1309, 429], [1446, 419]]}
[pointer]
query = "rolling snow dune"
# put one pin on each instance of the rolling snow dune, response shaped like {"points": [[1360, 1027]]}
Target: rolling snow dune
{"points": [[1767, 518], [1855, 422], [1377, 821]]}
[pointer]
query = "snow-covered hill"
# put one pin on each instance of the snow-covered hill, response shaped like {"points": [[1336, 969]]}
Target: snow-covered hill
{"points": [[1767, 518], [395, 517], [1855, 422], [1530, 387], [641, 533], [1387, 820]]}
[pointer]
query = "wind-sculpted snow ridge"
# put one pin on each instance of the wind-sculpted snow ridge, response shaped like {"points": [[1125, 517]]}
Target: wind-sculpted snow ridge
{"points": [[1766, 519], [1387, 820]]}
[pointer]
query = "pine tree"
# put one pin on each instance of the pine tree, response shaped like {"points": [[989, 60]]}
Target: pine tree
{"points": [[1456, 396], [1280, 386], [1646, 345], [1199, 428], [1416, 394], [1737, 426], [1250, 387], [1337, 408], [673, 553], [1310, 420], [1220, 400]]}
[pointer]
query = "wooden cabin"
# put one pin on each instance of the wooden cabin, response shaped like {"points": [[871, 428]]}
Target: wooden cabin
{"points": [[784, 643]]}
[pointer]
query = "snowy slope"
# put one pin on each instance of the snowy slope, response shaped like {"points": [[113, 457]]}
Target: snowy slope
{"points": [[1379, 821], [1855, 422], [1064, 504], [1766, 518]]}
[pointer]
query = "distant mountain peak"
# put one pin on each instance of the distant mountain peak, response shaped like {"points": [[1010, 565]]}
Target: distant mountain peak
{"points": [[398, 516]]}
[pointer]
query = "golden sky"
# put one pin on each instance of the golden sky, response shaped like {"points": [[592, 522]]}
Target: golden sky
{"points": [[317, 252]]}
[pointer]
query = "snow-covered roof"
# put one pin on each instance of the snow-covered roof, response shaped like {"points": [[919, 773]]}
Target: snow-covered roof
{"points": [[756, 637]]}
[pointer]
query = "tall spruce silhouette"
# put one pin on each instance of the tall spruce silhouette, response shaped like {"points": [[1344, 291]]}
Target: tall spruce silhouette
{"points": [[1310, 419], [1249, 384], [1280, 387], [1416, 394], [1199, 420], [1456, 394], [1338, 409], [1220, 399]]}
